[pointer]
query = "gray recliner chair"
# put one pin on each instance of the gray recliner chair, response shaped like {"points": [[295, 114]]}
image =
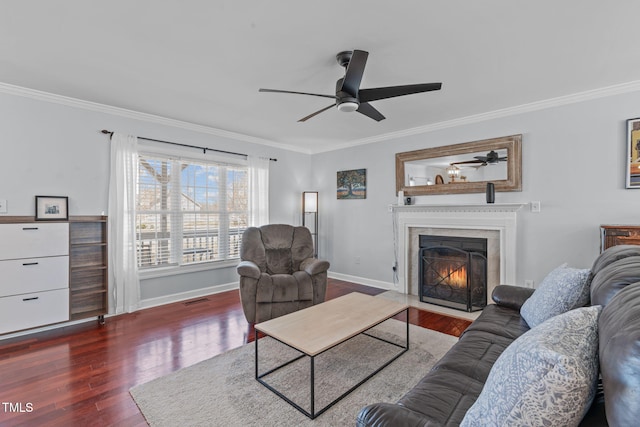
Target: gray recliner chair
{"points": [[278, 273]]}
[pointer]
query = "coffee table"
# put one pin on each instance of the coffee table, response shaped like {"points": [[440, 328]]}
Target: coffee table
{"points": [[316, 329]]}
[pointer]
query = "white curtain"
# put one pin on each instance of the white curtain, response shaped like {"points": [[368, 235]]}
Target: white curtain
{"points": [[258, 191], [123, 267]]}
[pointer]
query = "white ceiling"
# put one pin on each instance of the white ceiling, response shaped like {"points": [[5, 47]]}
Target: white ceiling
{"points": [[203, 61]]}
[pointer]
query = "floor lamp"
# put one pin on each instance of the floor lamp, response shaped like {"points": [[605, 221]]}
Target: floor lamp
{"points": [[310, 207]]}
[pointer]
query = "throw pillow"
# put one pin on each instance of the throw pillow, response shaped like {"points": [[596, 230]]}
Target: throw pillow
{"points": [[562, 290], [546, 377]]}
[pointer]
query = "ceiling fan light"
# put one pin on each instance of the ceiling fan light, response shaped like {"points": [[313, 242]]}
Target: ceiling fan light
{"points": [[348, 106]]}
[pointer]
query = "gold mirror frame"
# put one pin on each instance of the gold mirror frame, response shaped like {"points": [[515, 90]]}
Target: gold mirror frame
{"points": [[513, 145]]}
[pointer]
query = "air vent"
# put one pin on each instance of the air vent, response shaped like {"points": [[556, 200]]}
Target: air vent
{"points": [[196, 301]]}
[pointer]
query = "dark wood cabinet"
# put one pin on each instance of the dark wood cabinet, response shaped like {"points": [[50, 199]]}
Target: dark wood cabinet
{"points": [[613, 235], [88, 267]]}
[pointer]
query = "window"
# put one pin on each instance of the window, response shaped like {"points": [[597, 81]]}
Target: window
{"points": [[189, 211]]}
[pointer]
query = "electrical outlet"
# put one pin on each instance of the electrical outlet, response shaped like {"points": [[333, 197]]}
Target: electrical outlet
{"points": [[529, 283], [3, 206], [357, 260], [535, 207]]}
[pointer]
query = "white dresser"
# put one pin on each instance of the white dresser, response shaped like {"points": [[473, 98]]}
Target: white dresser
{"points": [[34, 275]]}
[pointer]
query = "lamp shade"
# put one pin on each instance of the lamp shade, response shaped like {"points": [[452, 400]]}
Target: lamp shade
{"points": [[310, 201]]}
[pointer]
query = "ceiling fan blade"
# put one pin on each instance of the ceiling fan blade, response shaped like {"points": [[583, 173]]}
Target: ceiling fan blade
{"points": [[369, 111], [355, 70], [297, 93], [467, 162], [304, 119], [374, 94]]}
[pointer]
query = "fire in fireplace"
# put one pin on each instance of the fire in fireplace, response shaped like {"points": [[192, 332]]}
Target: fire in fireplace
{"points": [[453, 271]]}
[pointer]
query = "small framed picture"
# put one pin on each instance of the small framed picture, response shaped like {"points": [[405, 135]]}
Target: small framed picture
{"points": [[632, 171], [52, 208], [352, 184]]}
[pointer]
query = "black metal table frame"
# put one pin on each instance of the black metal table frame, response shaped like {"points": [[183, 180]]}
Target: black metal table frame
{"points": [[312, 414]]}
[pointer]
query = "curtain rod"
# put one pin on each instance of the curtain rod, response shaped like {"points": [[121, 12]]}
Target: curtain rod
{"points": [[204, 149]]}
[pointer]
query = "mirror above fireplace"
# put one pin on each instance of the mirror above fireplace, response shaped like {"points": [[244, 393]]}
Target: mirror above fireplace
{"points": [[461, 168]]}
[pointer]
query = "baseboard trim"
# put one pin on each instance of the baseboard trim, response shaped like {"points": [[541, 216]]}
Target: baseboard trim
{"points": [[182, 296], [49, 327], [362, 281]]}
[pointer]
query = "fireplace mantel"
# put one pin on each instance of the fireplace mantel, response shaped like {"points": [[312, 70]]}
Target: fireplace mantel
{"points": [[500, 218], [493, 207]]}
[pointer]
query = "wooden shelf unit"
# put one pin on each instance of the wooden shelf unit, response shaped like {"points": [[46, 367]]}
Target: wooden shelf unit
{"points": [[88, 267]]}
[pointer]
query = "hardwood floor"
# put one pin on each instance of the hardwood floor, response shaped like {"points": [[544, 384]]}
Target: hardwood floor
{"points": [[81, 375]]}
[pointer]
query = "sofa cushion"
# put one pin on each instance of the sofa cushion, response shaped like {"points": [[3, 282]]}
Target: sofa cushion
{"points": [[548, 376], [252, 248], [562, 290], [284, 288], [301, 247], [613, 278], [612, 255], [279, 261], [445, 394], [277, 240], [619, 328], [500, 321], [454, 383]]}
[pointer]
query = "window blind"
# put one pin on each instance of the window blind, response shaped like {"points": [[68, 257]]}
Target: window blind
{"points": [[189, 211]]}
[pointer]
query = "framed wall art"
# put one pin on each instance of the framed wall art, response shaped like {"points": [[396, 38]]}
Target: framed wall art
{"points": [[52, 208], [352, 184], [632, 171]]}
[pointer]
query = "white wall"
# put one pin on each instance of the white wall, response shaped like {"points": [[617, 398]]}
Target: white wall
{"points": [[53, 149], [573, 162]]}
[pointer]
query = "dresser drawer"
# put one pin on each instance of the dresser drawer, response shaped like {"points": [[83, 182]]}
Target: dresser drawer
{"points": [[31, 310], [31, 240], [28, 275]]}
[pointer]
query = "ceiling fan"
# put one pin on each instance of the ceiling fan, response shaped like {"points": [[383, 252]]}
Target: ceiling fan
{"points": [[491, 158], [349, 97]]}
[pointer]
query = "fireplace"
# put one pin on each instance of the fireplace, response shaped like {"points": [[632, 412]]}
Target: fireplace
{"points": [[494, 221], [453, 271]]}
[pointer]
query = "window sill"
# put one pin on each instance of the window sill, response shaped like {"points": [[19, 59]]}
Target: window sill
{"points": [[185, 269]]}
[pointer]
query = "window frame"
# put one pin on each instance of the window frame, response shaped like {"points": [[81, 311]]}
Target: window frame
{"points": [[181, 266]]}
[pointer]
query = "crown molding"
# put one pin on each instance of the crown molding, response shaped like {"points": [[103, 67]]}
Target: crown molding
{"points": [[496, 114], [136, 115], [476, 118]]}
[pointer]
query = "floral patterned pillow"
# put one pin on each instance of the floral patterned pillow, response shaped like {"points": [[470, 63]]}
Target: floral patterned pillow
{"points": [[546, 377], [562, 290]]}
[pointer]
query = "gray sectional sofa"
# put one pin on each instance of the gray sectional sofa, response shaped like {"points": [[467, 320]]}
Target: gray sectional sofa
{"points": [[448, 392]]}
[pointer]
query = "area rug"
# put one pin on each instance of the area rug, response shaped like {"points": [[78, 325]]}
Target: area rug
{"points": [[222, 391]]}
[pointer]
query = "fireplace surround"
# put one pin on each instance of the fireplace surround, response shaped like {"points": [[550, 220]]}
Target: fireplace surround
{"points": [[495, 222]]}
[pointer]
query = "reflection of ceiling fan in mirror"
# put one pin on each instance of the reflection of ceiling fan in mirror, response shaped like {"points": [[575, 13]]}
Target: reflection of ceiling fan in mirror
{"points": [[491, 158]]}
